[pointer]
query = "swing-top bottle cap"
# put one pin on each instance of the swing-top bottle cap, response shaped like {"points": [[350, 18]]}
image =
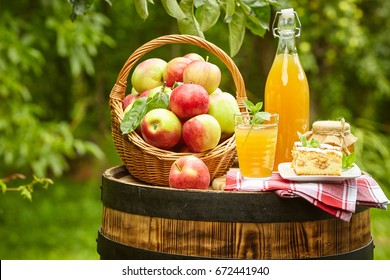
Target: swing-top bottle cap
{"points": [[287, 21], [287, 13]]}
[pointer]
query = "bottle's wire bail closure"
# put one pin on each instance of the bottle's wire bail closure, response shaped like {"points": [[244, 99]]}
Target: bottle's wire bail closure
{"points": [[287, 14]]}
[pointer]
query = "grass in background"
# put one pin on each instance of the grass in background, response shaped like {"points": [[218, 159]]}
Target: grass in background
{"points": [[380, 228], [60, 223]]}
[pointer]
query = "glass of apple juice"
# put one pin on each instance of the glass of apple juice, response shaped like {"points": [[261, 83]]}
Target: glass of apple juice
{"points": [[256, 144]]}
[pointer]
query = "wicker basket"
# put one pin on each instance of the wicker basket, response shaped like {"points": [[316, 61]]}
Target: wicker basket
{"points": [[151, 164]]}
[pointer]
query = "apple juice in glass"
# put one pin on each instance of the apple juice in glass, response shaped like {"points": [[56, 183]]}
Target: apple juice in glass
{"points": [[255, 144]]}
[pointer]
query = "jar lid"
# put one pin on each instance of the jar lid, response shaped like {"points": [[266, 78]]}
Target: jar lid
{"points": [[337, 133]]}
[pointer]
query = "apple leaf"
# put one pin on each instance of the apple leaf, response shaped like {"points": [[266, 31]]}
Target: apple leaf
{"points": [[133, 117], [142, 8], [159, 100], [189, 25], [236, 31], [173, 9], [208, 14], [140, 108], [258, 15], [229, 6]]}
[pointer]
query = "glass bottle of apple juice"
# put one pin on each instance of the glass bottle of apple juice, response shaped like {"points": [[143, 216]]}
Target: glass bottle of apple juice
{"points": [[287, 90]]}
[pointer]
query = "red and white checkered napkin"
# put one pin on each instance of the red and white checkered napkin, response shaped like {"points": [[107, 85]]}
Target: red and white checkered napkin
{"points": [[338, 199]]}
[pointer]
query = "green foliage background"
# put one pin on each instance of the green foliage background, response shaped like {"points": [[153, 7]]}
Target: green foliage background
{"points": [[56, 75]]}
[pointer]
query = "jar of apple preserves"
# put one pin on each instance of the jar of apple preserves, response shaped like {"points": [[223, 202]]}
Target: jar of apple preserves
{"points": [[336, 133]]}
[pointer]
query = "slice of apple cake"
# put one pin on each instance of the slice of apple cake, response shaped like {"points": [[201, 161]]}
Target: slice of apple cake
{"points": [[322, 160]]}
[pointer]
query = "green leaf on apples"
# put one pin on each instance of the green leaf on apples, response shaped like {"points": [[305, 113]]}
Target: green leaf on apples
{"points": [[133, 117], [141, 106], [176, 84], [159, 100]]}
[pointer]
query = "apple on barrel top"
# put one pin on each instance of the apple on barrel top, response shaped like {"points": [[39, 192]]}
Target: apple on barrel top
{"points": [[196, 117], [189, 172]]}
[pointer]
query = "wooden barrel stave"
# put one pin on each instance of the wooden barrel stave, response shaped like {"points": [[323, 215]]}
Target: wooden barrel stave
{"points": [[217, 236]]}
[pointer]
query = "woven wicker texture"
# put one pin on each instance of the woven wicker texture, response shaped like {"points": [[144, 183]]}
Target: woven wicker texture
{"points": [[151, 164]]}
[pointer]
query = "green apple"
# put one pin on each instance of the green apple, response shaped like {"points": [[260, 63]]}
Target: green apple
{"points": [[148, 74], [222, 107]]}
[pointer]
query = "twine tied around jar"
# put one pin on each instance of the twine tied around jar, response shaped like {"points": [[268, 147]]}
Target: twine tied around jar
{"points": [[336, 133]]}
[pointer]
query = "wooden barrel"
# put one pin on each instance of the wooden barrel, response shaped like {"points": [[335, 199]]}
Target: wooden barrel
{"points": [[140, 221]]}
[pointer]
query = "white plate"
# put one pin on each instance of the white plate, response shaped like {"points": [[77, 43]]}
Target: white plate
{"points": [[288, 173]]}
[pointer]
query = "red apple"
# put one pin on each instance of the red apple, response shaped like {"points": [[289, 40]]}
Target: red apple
{"points": [[145, 93], [194, 56], [189, 100], [161, 128], [203, 73], [189, 172], [148, 74], [174, 69], [129, 100], [201, 133]]}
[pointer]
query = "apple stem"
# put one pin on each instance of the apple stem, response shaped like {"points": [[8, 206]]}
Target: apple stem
{"points": [[177, 166], [207, 58]]}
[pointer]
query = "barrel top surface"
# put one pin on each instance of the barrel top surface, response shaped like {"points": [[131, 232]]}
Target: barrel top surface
{"points": [[122, 192]]}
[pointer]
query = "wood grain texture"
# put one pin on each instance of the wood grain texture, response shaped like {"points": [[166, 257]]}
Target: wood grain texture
{"points": [[266, 240]]}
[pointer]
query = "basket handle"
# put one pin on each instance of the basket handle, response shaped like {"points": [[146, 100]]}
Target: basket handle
{"points": [[118, 91]]}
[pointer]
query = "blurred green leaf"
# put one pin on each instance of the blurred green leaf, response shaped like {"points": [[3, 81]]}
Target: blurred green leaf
{"points": [[258, 15], [189, 24], [173, 9], [142, 8], [3, 186], [79, 7], [208, 14], [230, 6], [236, 31]]}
